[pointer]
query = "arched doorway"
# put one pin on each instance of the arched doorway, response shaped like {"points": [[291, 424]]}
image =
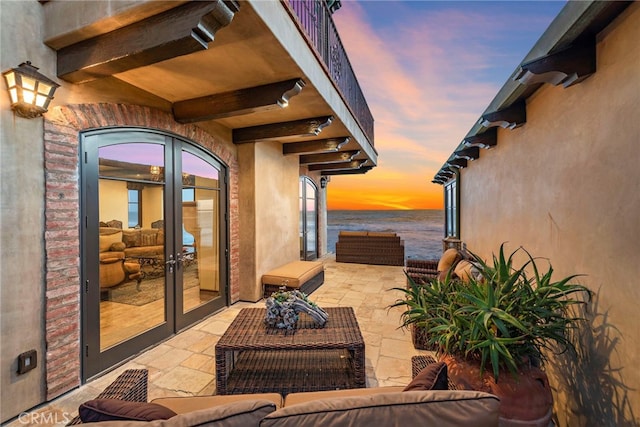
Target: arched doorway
{"points": [[154, 240], [308, 219]]}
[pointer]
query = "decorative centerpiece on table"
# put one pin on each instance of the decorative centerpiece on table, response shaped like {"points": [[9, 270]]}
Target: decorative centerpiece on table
{"points": [[284, 308]]}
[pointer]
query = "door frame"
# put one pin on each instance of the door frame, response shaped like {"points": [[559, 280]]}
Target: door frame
{"points": [[304, 180], [93, 359], [185, 320]]}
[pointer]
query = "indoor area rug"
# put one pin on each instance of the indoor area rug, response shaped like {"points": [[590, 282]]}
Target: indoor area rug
{"points": [[150, 289]]}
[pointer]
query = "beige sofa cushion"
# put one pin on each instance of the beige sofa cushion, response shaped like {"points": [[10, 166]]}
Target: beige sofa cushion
{"points": [[381, 234], [448, 259], [294, 274], [465, 270], [310, 396], [148, 237], [442, 408], [132, 238], [180, 405], [144, 251], [353, 233], [106, 240], [237, 414]]}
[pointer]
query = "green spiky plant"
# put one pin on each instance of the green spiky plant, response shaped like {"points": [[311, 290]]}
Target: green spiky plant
{"points": [[506, 318]]}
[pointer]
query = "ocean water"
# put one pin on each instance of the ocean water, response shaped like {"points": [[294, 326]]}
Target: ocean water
{"points": [[421, 230]]}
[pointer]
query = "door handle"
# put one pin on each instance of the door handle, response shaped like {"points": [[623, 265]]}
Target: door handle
{"points": [[170, 263], [180, 259]]}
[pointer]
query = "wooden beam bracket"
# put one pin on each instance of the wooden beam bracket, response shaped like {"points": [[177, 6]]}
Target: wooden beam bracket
{"points": [[509, 118], [316, 146], [354, 164], [470, 153], [323, 158], [486, 139], [281, 131], [457, 163], [237, 102], [569, 66], [361, 170]]}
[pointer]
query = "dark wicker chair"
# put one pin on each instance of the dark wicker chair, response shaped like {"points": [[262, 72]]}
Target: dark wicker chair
{"points": [[131, 386], [422, 270]]}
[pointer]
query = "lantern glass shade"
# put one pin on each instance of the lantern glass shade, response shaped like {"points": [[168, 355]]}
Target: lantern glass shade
{"points": [[30, 91]]}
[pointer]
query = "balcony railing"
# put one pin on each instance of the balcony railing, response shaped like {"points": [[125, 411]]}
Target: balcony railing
{"points": [[314, 19]]}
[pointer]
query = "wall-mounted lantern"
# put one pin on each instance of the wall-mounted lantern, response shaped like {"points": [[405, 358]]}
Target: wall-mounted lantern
{"points": [[324, 181], [30, 91]]}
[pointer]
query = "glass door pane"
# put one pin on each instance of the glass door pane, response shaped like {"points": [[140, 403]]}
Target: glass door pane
{"points": [[310, 220], [200, 257], [301, 225], [132, 268]]}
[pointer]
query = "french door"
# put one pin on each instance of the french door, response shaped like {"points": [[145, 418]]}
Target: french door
{"points": [[308, 219], [154, 241]]}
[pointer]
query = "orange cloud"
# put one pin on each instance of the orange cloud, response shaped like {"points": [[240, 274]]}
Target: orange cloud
{"points": [[382, 189]]}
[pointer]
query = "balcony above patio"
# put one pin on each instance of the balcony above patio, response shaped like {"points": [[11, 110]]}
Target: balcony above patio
{"points": [[265, 70]]}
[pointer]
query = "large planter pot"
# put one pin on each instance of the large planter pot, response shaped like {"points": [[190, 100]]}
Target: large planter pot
{"points": [[524, 401]]}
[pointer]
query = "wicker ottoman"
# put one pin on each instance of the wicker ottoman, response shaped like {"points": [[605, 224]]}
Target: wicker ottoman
{"points": [[306, 276]]}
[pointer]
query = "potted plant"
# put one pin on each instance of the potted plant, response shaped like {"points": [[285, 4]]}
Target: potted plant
{"points": [[494, 330]]}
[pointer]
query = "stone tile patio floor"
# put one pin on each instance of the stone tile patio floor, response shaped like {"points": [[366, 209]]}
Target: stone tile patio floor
{"points": [[184, 365]]}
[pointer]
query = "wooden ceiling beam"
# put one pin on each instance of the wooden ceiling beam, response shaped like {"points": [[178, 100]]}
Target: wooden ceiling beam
{"points": [[354, 164], [179, 31], [336, 157], [281, 131], [317, 146], [361, 170], [238, 102]]}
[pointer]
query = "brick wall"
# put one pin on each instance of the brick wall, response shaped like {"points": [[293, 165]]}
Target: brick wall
{"points": [[62, 212]]}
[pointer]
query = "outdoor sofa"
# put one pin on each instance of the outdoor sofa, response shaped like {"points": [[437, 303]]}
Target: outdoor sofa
{"points": [[370, 247], [380, 406]]}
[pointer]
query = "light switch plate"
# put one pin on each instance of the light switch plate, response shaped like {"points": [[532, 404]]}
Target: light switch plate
{"points": [[27, 361]]}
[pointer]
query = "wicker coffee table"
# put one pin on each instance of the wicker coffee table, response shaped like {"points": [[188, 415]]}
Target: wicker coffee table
{"points": [[254, 358]]}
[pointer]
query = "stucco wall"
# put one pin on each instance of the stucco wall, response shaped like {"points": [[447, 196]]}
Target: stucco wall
{"points": [[21, 217], [268, 215], [566, 186]]}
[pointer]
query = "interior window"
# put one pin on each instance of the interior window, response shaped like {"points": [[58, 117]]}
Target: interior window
{"points": [[134, 208]]}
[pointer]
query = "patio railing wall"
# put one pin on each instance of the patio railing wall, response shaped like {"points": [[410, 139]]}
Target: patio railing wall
{"points": [[314, 18]]}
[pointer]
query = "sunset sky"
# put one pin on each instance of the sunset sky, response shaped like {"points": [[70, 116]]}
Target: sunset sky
{"points": [[428, 70]]}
